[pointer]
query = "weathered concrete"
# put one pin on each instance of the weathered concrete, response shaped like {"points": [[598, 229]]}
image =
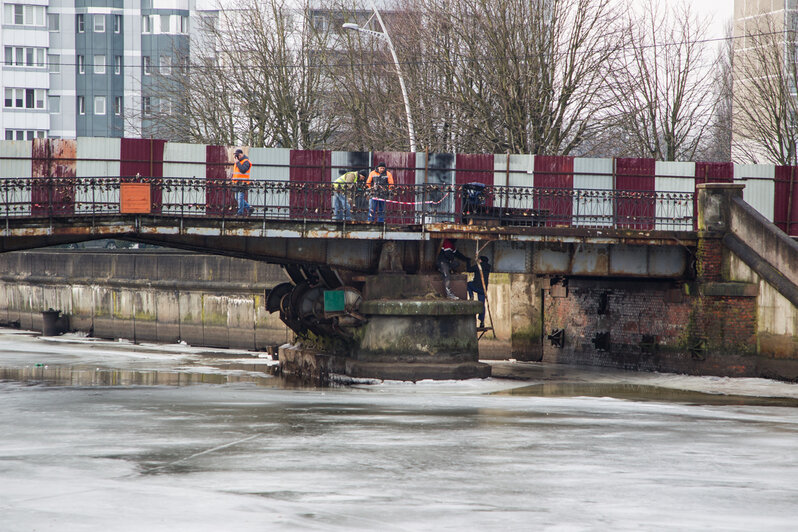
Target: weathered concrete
{"points": [[412, 333], [526, 324], [437, 331], [144, 296]]}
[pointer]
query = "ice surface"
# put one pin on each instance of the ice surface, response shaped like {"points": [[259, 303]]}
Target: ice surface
{"points": [[449, 455]]}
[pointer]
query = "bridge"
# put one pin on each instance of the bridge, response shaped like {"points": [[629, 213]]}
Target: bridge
{"points": [[528, 229], [649, 254]]}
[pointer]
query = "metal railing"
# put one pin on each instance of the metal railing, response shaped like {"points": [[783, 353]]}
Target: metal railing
{"points": [[471, 203]]}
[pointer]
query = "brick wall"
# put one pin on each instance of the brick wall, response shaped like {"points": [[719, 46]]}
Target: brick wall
{"points": [[650, 325], [709, 259], [626, 324]]}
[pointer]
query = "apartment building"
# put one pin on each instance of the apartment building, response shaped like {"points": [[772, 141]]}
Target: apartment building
{"points": [[765, 121], [74, 68]]}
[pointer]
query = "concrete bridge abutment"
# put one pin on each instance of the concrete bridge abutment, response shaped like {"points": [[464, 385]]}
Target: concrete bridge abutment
{"points": [[406, 331]]}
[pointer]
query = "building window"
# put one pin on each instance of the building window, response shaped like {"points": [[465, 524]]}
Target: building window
{"points": [[145, 64], [183, 24], [81, 105], [166, 65], [146, 108], [10, 98], [25, 98], [99, 64], [54, 22], [164, 23], [55, 63], [117, 64], [117, 23], [21, 134], [24, 15], [54, 103], [99, 105], [118, 105], [29, 57], [165, 107], [319, 23], [81, 23], [146, 24], [81, 65], [99, 23]]}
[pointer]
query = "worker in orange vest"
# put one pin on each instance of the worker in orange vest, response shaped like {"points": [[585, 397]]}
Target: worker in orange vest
{"points": [[380, 181], [241, 170]]}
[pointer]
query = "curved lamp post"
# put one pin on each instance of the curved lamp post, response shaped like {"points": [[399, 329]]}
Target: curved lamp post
{"points": [[384, 35]]}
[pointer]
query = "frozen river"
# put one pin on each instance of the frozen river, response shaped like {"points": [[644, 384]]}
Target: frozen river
{"points": [[100, 436]]}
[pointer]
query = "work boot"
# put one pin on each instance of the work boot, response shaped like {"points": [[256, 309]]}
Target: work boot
{"points": [[450, 295], [482, 325]]}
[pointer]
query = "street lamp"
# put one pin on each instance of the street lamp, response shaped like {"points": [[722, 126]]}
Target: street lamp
{"points": [[384, 35]]}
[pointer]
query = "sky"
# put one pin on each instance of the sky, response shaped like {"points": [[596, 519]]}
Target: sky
{"points": [[719, 11]]}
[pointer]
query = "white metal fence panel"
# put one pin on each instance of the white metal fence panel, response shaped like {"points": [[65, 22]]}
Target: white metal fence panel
{"points": [[593, 209], [760, 186], [15, 163], [671, 179], [97, 158], [515, 171], [270, 165]]}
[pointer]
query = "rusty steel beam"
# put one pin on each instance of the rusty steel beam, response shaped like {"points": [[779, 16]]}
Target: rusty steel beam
{"points": [[357, 246]]}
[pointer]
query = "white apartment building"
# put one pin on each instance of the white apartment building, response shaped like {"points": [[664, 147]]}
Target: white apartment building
{"points": [[85, 67]]}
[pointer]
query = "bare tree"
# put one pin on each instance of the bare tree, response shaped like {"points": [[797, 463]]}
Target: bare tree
{"points": [[765, 104], [663, 89], [522, 76], [362, 92], [250, 80]]}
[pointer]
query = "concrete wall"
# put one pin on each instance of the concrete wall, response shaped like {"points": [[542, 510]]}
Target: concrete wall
{"points": [[145, 296], [499, 298], [773, 245], [771, 262], [777, 317]]}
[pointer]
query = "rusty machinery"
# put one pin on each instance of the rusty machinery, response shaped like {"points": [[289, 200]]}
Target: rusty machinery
{"points": [[316, 301]]}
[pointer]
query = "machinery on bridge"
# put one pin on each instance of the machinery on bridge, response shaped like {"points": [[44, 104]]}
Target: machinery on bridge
{"points": [[316, 301]]}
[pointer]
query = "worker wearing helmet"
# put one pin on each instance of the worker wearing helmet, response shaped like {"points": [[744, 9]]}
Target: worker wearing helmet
{"points": [[380, 182], [241, 170]]}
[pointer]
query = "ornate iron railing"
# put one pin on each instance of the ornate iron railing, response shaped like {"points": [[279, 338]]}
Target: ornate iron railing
{"points": [[472, 203]]}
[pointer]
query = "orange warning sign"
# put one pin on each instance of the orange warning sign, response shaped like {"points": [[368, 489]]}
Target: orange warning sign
{"points": [[135, 198]]}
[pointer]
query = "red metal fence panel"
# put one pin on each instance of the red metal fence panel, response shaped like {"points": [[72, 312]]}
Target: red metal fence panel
{"points": [[53, 169], [219, 197], [554, 177], [636, 178], [144, 157], [307, 167], [402, 199]]}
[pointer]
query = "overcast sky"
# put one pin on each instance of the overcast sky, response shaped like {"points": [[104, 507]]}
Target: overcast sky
{"points": [[720, 11]]}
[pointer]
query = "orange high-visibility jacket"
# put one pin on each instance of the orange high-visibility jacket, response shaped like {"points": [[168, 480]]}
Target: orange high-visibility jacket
{"points": [[379, 180], [241, 170]]}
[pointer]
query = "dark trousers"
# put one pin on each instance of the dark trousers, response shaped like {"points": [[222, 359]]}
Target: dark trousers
{"points": [[473, 288]]}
